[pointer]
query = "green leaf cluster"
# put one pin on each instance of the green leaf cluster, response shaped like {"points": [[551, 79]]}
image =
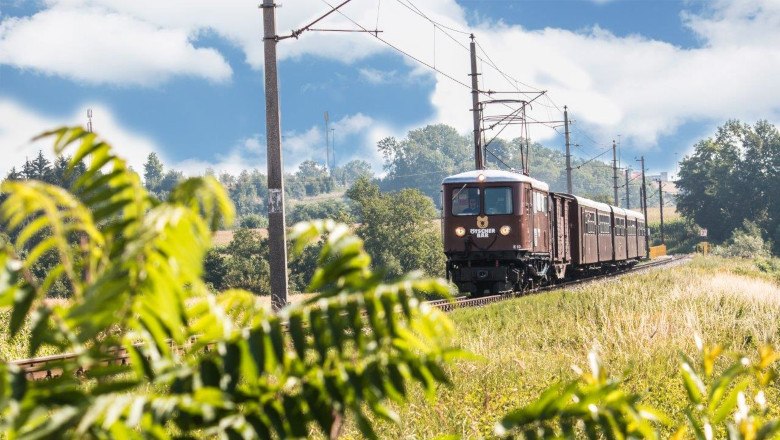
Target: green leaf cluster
{"points": [[594, 406], [199, 364]]}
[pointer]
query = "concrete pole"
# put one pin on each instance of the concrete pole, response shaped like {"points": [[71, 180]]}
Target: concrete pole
{"points": [[644, 207], [479, 162], [568, 151], [614, 173], [277, 236], [628, 191], [661, 207]]}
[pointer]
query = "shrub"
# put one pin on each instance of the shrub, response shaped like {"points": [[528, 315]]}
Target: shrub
{"points": [[327, 209], [745, 242], [136, 280], [681, 235], [596, 406], [253, 221]]}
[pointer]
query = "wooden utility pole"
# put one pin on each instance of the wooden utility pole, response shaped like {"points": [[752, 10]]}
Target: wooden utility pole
{"points": [[661, 206], [615, 173], [479, 162], [628, 192], [277, 236], [568, 151]]}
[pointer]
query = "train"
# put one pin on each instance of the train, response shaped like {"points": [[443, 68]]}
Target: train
{"points": [[506, 232]]}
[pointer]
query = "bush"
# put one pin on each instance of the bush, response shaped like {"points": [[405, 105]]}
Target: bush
{"points": [[253, 221], [745, 242], [596, 406], [325, 210], [681, 235]]}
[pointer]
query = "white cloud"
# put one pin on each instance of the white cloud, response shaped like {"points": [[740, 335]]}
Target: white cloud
{"points": [[641, 88], [375, 76], [94, 45], [18, 125]]}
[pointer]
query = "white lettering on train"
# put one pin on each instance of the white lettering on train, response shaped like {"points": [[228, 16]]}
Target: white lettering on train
{"points": [[482, 233]]}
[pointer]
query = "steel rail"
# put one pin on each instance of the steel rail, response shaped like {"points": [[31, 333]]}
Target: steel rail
{"points": [[46, 367]]}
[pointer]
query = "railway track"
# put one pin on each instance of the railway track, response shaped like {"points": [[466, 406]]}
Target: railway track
{"points": [[45, 367]]}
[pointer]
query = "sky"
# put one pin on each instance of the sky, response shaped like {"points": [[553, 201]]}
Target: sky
{"points": [[184, 78]]}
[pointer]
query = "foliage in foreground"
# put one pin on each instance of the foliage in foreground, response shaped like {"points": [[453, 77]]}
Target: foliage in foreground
{"points": [[719, 405], [199, 364]]}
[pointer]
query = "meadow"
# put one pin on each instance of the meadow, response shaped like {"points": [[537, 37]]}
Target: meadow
{"points": [[638, 324]]}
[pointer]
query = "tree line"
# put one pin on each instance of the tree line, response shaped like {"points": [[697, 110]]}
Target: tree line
{"points": [[733, 178]]}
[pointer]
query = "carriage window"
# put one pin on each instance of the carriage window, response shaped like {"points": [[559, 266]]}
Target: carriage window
{"points": [[620, 227], [498, 200], [465, 201], [590, 222], [604, 224]]}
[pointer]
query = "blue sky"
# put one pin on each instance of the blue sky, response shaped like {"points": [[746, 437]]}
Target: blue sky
{"points": [[184, 78]]}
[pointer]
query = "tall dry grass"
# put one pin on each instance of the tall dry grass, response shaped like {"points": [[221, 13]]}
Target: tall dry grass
{"points": [[639, 324]]}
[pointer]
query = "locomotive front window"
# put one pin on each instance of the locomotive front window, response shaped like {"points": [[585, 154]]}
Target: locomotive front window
{"points": [[498, 201], [465, 201]]}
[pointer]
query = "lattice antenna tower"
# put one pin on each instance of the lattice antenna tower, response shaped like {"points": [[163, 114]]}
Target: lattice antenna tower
{"points": [[89, 120]]}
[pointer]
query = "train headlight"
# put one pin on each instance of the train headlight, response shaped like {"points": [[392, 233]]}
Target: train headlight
{"points": [[505, 230], [481, 177], [460, 231]]}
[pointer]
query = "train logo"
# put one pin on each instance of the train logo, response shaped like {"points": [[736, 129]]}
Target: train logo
{"points": [[482, 222]]}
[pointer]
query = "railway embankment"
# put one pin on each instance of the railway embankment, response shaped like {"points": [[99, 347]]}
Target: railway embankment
{"points": [[638, 324]]}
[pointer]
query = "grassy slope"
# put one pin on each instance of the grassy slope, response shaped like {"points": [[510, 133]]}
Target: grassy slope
{"points": [[639, 325]]}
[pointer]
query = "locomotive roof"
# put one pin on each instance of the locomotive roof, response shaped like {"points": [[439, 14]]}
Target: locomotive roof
{"points": [[495, 176], [592, 204]]}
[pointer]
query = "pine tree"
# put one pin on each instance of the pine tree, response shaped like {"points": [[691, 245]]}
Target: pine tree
{"points": [[14, 175], [41, 168], [153, 172]]}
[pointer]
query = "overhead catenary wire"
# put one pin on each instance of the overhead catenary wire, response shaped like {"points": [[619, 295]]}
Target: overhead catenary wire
{"points": [[444, 28]]}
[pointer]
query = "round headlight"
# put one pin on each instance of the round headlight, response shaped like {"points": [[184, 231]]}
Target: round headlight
{"points": [[481, 177], [460, 231], [505, 230]]}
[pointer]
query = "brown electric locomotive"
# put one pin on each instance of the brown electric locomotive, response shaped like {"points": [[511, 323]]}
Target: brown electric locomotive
{"points": [[505, 231]]}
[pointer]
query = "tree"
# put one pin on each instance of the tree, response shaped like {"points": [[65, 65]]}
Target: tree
{"points": [[731, 178], [314, 177], [328, 209], [247, 263], [399, 229], [14, 175], [424, 158], [353, 170], [169, 182], [153, 172], [137, 285]]}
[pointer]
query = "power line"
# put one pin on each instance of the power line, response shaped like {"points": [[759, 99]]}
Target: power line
{"points": [[391, 45]]}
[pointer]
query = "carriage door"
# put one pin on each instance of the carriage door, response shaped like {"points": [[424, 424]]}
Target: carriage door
{"points": [[540, 222], [528, 219]]}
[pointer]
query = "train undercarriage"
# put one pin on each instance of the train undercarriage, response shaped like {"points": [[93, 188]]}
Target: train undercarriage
{"points": [[513, 272]]}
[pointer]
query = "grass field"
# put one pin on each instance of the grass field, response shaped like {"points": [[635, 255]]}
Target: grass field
{"points": [[639, 325], [654, 214]]}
